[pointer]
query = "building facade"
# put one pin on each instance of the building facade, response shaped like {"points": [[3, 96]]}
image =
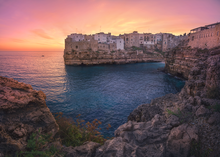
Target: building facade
{"points": [[205, 37]]}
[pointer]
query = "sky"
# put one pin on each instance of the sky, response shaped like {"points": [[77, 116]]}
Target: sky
{"points": [[43, 25]]}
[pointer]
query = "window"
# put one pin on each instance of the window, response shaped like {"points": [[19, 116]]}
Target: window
{"points": [[217, 33], [76, 47], [165, 43]]}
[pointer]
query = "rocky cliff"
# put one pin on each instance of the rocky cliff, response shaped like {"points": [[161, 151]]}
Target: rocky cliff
{"points": [[23, 111], [89, 57], [175, 125]]}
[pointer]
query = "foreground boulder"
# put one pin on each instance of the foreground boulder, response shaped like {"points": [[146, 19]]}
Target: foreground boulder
{"points": [[22, 112]]}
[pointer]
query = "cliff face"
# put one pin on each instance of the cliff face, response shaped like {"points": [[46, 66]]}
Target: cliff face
{"points": [[23, 111], [186, 123], [181, 60], [105, 57]]}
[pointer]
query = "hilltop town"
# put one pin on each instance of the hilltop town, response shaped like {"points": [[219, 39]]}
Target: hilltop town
{"points": [[102, 48]]}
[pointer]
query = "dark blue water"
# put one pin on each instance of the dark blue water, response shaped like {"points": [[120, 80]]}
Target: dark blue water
{"points": [[106, 92]]}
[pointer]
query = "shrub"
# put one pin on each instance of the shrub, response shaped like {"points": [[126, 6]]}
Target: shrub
{"points": [[213, 93], [183, 116], [134, 48], [215, 107], [75, 133], [197, 151], [36, 146], [72, 133]]}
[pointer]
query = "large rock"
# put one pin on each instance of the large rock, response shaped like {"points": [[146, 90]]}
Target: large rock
{"points": [[22, 112], [86, 150], [179, 140]]}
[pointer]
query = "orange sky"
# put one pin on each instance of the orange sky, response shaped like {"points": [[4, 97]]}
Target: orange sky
{"points": [[42, 25]]}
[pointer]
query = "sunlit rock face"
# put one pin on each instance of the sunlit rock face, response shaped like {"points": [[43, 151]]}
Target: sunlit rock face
{"points": [[106, 57], [22, 112]]}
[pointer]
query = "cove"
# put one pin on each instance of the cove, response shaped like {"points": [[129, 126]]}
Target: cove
{"points": [[108, 93]]}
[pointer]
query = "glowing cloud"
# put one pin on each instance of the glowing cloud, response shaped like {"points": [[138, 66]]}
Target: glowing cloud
{"points": [[41, 33]]}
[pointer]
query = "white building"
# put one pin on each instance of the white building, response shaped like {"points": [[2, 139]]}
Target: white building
{"points": [[120, 44], [76, 37], [102, 37]]}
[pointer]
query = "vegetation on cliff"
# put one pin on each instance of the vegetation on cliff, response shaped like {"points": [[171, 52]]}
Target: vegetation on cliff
{"points": [[75, 133], [71, 133]]}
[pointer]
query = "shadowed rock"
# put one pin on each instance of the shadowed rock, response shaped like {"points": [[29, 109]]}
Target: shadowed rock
{"points": [[22, 112]]}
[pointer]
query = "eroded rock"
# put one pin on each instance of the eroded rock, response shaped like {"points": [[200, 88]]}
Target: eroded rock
{"points": [[21, 114]]}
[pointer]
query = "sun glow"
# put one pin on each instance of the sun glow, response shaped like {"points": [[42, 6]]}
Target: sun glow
{"points": [[43, 25]]}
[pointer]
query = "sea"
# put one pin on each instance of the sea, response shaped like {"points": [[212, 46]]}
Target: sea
{"points": [[108, 93]]}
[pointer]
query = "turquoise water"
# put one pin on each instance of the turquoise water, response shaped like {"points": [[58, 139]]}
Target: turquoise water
{"points": [[106, 92]]}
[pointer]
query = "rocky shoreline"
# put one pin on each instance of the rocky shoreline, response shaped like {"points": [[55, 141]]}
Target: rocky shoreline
{"points": [[186, 124]]}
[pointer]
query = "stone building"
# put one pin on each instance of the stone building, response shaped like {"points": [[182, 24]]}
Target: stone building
{"points": [[80, 45], [88, 37], [131, 39], [141, 40], [205, 37], [76, 37], [158, 38], [96, 42], [103, 46]]}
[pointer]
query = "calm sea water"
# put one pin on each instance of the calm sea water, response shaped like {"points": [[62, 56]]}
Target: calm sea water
{"points": [[106, 92]]}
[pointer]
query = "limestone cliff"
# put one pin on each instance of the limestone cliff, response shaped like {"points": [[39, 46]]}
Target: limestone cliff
{"points": [[89, 57], [180, 60], [23, 111], [183, 124]]}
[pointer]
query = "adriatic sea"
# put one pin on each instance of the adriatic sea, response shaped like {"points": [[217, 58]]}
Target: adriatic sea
{"points": [[104, 92]]}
